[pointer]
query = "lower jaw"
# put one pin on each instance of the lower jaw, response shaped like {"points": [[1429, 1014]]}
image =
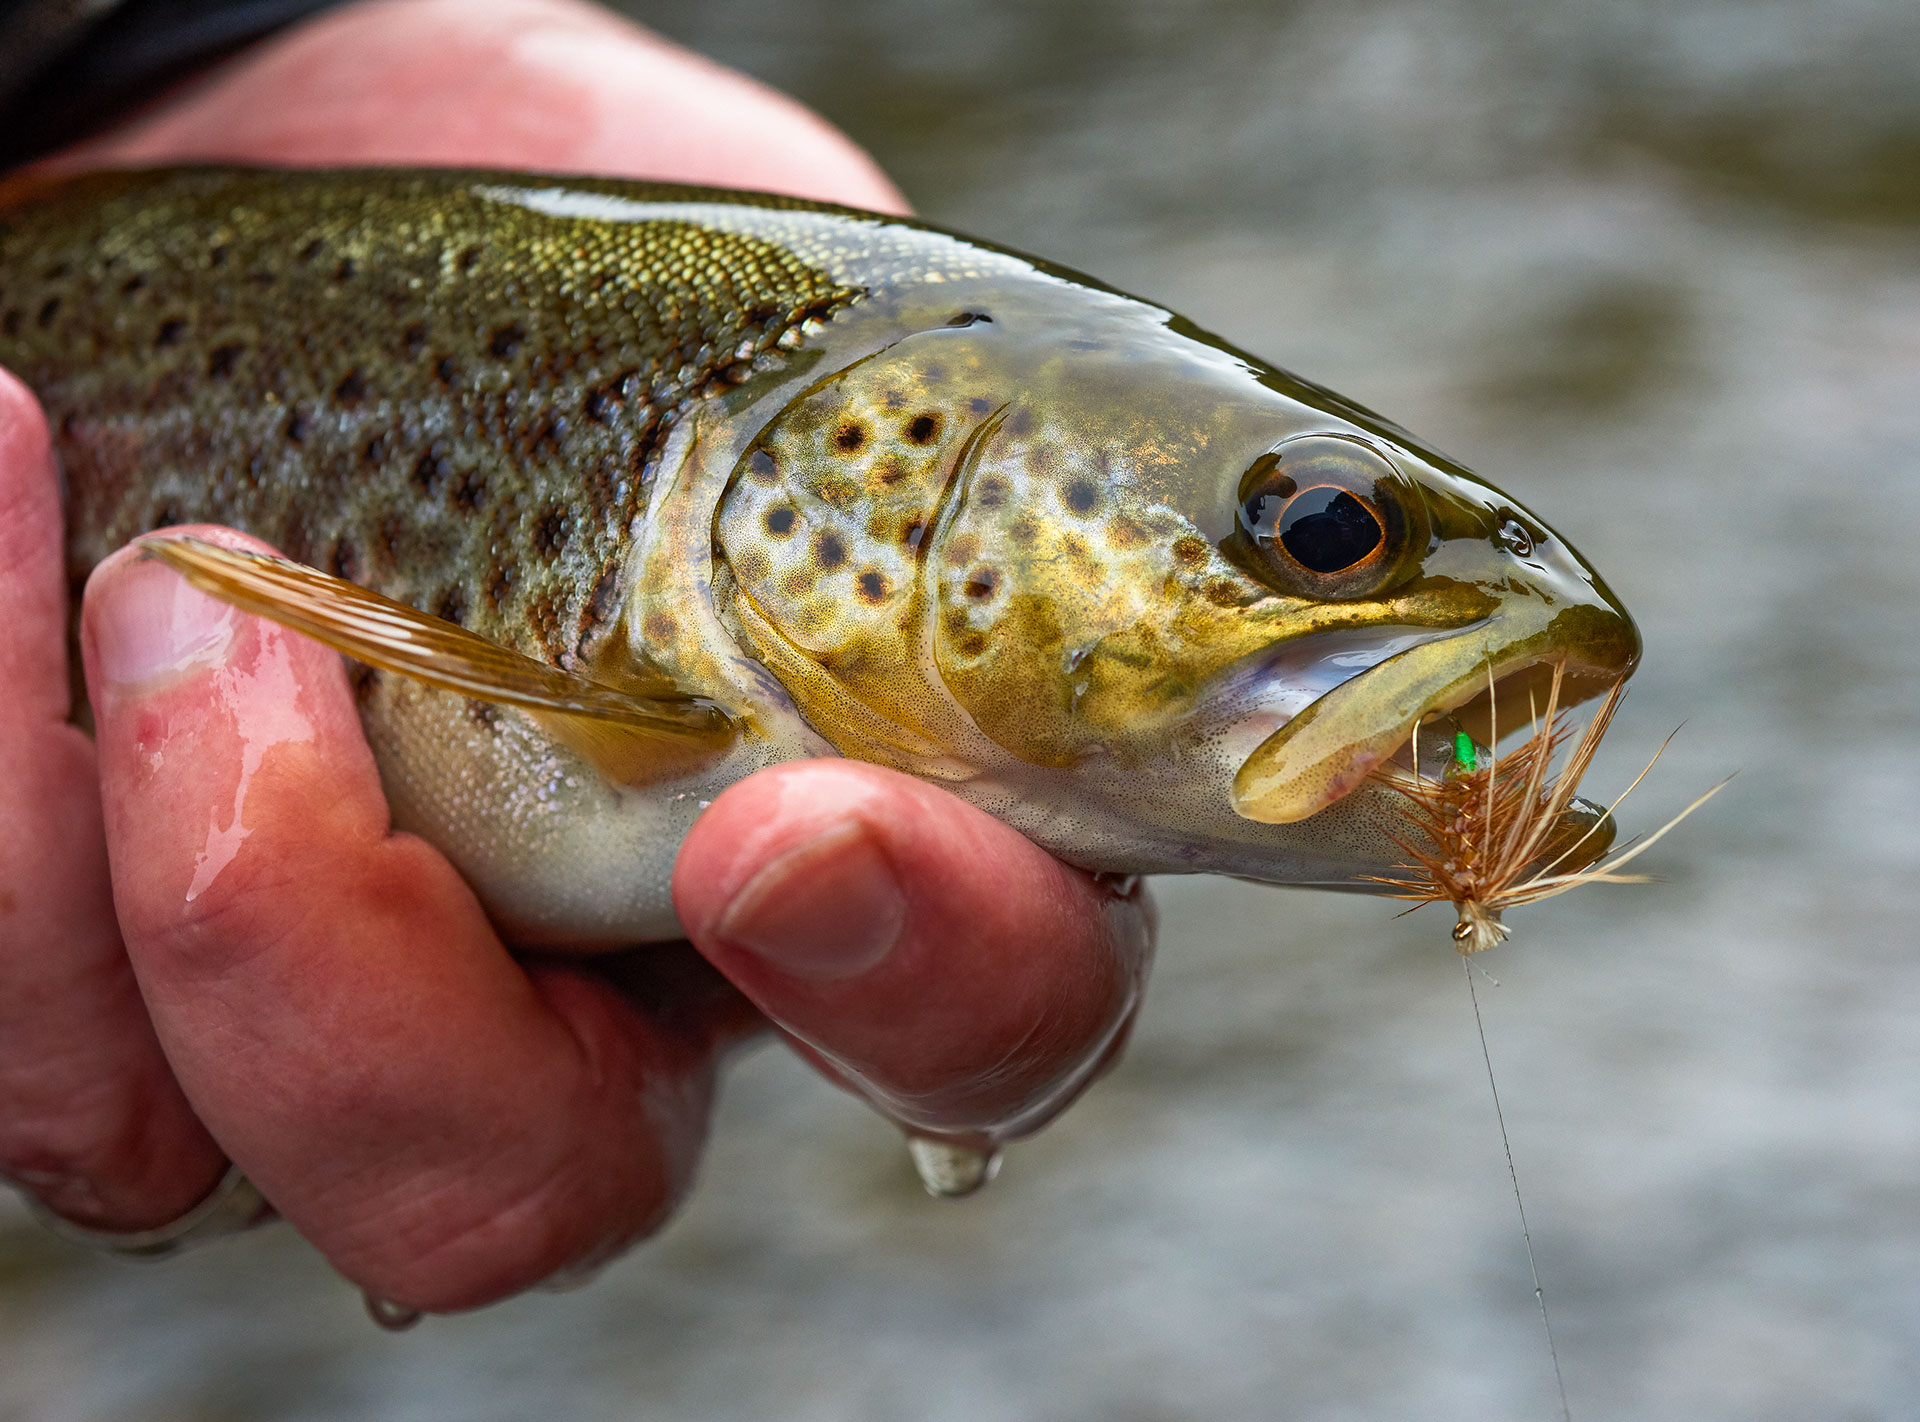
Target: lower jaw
{"points": [[1281, 783]]}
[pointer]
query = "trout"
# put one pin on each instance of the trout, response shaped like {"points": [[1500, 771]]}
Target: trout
{"points": [[619, 492]]}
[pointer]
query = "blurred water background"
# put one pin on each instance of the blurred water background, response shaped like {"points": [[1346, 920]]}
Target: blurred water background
{"points": [[1654, 267]]}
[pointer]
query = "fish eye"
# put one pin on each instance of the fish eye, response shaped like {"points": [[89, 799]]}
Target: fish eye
{"points": [[1325, 516]]}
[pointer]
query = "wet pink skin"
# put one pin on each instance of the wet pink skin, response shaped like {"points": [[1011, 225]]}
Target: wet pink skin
{"points": [[214, 948]]}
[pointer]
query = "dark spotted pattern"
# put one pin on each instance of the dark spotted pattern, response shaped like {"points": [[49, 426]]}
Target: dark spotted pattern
{"points": [[454, 400]]}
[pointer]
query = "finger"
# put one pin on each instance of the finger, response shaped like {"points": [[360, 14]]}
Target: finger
{"points": [[91, 1120], [446, 1126], [942, 964], [567, 86]]}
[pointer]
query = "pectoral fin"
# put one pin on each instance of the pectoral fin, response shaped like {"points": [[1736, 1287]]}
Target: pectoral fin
{"points": [[609, 726]]}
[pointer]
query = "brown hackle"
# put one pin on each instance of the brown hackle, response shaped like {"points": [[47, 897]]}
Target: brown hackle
{"points": [[1488, 838]]}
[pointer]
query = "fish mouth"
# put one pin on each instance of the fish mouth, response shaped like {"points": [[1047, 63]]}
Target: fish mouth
{"points": [[1488, 679]]}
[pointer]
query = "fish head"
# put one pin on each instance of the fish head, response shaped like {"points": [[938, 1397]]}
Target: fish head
{"points": [[1186, 597]]}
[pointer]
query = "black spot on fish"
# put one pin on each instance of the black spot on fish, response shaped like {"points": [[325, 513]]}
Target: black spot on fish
{"points": [[872, 586], [506, 340], [344, 560], [547, 436], [223, 359], [600, 606], [469, 492], [10, 323], [430, 472], [219, 256], [468, 259], [979, 405], [780, 521], [451, 604], [913, 535], [1081, 496], [413, 340], [760, 464], [604, 402], [170, 333], [391, 533], [850, 437], [375, 452], [829, 552], [299, 426], [991, 493], [984, 583], [446, 370], [1020, 422], [923, 429], [352, 388], [311, 252], [346, 269], [133, 285], [550, 532]]}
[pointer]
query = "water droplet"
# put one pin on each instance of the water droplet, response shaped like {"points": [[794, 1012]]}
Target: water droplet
{"points": [[394, 1317], [950, 1171]]}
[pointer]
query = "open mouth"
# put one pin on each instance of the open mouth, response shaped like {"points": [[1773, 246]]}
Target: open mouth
{"points": [[1485, 682]]}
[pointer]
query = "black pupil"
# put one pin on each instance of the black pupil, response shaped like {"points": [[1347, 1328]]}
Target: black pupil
{"points": [[1327, 530]]}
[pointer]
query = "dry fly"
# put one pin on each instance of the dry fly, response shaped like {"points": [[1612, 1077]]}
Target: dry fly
{"points": [[1491, 832]]}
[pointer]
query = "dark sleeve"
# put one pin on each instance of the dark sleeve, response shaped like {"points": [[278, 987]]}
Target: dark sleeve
{"points": [[69, 68]]}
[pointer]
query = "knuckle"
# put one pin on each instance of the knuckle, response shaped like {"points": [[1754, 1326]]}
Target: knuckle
{"points": [[249, 906]]}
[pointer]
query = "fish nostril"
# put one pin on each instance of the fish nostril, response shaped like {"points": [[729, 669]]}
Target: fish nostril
{"points": [[1513, 537]]}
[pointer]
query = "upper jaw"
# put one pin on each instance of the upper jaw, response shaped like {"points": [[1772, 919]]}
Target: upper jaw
{"points": [[1484, 675]]}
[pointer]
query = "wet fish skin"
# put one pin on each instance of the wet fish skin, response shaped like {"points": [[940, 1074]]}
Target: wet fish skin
{"points": [[391, 378], [868, 486]]}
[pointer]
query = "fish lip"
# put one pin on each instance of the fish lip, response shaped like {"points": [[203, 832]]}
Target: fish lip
{"points": [[1266, 691], [1481, 676]]}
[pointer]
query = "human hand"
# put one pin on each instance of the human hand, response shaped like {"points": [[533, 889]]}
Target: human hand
{"points": [[331, 1011]]}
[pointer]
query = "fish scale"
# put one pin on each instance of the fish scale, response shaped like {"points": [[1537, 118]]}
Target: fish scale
{"points": [[460, 414]]}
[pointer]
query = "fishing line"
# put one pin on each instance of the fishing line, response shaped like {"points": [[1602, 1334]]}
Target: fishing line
{"points": [[1539, 1294]]}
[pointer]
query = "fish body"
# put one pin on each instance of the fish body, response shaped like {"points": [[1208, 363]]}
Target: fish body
{"points": [[856, 485]]}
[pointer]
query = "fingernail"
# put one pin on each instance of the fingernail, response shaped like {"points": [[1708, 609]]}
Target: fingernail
{"points": [[149, 623], [827, 909]]}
